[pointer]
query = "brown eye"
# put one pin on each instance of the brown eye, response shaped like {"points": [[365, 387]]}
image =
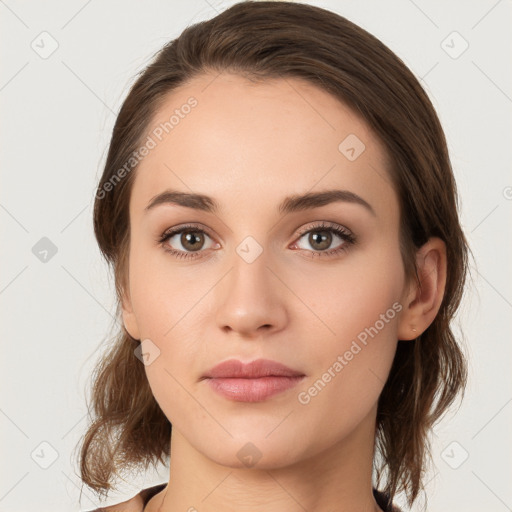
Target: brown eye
{"points": [[192, 240], [185, 241], [320, 238]]}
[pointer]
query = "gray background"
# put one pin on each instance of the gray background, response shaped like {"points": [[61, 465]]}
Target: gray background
{"points": [[58, 111]]}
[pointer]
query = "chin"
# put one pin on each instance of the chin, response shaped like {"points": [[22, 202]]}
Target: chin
{"points": [[253, 452]]}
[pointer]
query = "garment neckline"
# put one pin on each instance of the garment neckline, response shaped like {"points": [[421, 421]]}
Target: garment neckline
{"points": [[381, 497]]}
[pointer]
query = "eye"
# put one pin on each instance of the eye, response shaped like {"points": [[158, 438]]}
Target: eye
{"points": [[191, 238], [321, 236]]}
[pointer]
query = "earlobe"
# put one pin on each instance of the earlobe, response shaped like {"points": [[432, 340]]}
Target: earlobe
{"points": [[423, 301], [129, 319]]}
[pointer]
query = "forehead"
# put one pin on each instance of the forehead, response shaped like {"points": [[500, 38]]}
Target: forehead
{"points": [[243, 142]]}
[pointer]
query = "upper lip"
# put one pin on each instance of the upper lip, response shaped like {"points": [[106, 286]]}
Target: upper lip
{"points": [[233, 368]]}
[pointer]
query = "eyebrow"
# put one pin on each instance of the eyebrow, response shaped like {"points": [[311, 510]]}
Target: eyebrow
{"points": [[290, 204]]}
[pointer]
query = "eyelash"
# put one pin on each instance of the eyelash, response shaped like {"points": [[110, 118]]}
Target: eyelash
{"points": [[348, 238]]}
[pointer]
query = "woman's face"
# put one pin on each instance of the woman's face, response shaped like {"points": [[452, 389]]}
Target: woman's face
{"points": [[264, 275]]}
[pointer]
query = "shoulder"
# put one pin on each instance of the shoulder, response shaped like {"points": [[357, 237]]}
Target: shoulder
{"points": [[135, 504], [384, 501]]}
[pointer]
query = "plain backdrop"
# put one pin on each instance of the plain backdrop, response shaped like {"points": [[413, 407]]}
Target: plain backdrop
{"points": [[65, 69]]}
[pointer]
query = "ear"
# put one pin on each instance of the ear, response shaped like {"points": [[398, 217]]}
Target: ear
{"points": [[421, 302], [129, 319]]}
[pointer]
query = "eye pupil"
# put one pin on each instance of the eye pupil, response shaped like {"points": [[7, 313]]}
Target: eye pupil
{"points": [[324, 241], [189, 240]]}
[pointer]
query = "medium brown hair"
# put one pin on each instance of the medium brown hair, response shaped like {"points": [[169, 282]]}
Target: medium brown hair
{"points": [[266, 40]]}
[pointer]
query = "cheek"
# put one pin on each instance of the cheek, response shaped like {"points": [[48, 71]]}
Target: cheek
{"points": [[343, 301], [166, 303], [161, 293], [349, 369], [174, 372], [356, 310]]}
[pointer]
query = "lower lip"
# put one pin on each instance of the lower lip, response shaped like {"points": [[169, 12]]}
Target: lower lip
{"points": [[252, 390]]}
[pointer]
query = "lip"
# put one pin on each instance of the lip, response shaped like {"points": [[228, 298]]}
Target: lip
{"points": [[251, 382], [233, 368]]}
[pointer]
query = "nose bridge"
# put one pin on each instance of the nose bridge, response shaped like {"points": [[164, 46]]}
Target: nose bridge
{"points": [[250, 297], [251, 265], [250, 278]]}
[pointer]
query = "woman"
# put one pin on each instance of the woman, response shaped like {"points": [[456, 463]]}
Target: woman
{"points": [[281, 215]]}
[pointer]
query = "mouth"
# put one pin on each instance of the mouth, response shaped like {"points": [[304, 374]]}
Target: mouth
{"points": [[252, 382], [252, 390]]}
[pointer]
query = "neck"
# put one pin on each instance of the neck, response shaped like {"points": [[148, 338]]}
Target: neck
{"points": [[337, 479]]}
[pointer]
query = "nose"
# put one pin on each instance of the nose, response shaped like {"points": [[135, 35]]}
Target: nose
{"points": [[251, 298]]}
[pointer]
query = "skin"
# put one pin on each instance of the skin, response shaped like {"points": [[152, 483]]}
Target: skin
{"points": [[248, 146]]}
